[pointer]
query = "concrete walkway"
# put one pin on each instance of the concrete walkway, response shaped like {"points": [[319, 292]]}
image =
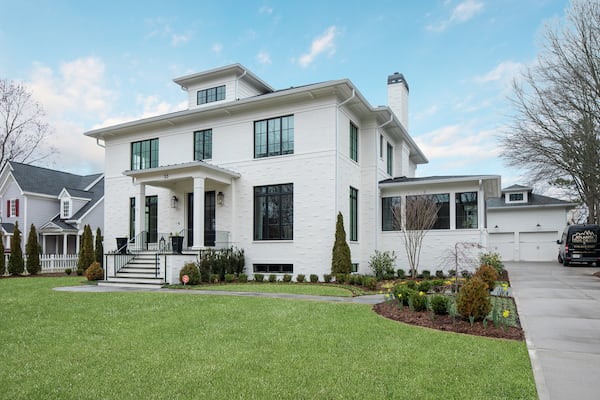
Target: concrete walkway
{"points": [[369, 299], [559, 308]]}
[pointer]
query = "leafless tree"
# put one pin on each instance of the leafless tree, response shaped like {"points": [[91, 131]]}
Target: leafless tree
{"points": [[420, 215], [554, 134], [23, 128]]}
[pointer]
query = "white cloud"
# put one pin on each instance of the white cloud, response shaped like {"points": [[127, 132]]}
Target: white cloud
{"points": [[265, 10], [263, 57], [463, 12], [159, 27], [217, 48], [505, 71], [178, 40], [424, 114], [325, 42]]}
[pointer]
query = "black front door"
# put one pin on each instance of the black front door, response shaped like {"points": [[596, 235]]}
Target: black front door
{"points": [[209, 219], [152, 218]]}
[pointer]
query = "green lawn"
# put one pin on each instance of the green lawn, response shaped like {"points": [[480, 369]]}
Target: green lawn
{"points": [[66, 345], [295, 288]]}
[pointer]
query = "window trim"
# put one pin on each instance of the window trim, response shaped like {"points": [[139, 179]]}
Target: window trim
{"points": [[390, 159], [207, 95], [458, 202], [353, 228], [279, 195], [67, 203], [353, 142], [282, 268], [153, 154], [204, 153], [280, 136], [388, 222]]}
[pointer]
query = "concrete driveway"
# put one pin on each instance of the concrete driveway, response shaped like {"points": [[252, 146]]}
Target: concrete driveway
{"points": [[559, 309]]}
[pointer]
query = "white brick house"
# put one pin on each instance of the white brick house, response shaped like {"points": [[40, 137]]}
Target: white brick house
{"points": [[268, 170]]}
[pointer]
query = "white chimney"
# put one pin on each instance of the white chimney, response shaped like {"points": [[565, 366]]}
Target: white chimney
{"points": [[398, 97]]}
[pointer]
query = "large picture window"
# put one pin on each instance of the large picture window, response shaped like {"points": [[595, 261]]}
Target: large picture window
{"points": [[203, 145], [353, 214], [390, 221], [274, 212], [443, 214], [466, 210], [144, 154], [211, 95], [353, 142], [274, 137]]}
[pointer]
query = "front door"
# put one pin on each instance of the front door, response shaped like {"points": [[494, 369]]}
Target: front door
{"points": [[152, 218], [209, 219]]}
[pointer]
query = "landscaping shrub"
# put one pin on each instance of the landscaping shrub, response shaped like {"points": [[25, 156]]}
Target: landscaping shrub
{"points": [[473, 299], [355, 279], [99, 248], [287, 278], [411, 284], [259, 277], [341, 278], [314, 278], [327, 278], [451, 272], [68, 271], [488, 275], [94, 272], [424, 286], [340, 259], [79, 271], [32, 249], [229, 278], [439, 304], [401, 273], [419, 300], [492, 259], [272, 278], [86, 249], [439, 274], [426, 274], [191, 270], [404, 291], [242, 278], [16, 266], [370, 282], [382, 264], [465, 273], [300, 278], [437, 285]]}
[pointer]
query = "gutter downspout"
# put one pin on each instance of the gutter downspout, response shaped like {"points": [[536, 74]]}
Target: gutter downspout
{"points": [[337, 146], [98, 143], [378, 205]]}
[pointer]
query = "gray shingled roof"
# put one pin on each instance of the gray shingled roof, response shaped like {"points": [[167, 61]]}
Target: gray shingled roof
{"points": [[95, 193], [534, 200], [515, 188], [48, 181]]}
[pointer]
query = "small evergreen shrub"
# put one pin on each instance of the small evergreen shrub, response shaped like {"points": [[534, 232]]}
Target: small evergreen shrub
{"points": [[452, 272], [488, 275], [411, 284], [426, 274], [68, 271], [419, 300], [424, 286], [341, 278], [16, 265], [191, 270], [79, 271], [287, 278], [370, 282], [300, 278], [94, 272], [439, 304], [473, 299], [242, 278], [32, 249], [401, 273], [437, 285], [402, 293], [314, 278], [340, 258], [272, 278], [327, 278], [229, 278], [259, 277], [465, 273], [439, 274], [215, 278]]}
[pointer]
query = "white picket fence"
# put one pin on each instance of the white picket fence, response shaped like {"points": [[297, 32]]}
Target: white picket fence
{"points": [[51, 262]]}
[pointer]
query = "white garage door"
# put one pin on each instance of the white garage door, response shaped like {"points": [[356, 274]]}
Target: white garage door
{"points": [[503, 244], [538, 246]]}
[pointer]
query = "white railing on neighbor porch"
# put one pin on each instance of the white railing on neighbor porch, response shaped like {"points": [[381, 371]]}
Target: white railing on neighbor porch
{"points": [[51, 262]]}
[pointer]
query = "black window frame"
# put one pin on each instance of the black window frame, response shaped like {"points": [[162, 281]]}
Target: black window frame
{"points": [[210, 95], [464, 201], [267, 220], [442, 221], [137, 149], [388, 220], [131, 217], [390, 159], [263, 268], [205, 152], [272, 139], [353, 142], [353, 228]]}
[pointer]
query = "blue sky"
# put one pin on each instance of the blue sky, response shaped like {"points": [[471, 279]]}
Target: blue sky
{"points": [[94, 63]]}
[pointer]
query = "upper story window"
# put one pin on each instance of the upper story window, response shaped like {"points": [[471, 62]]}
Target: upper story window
{"points": [[66, 209], [353, 142], [12, 208], [144, 154], [274, 137], [391, 214], [353, 214], [380, 146], [203, 145], [274, 212], [390, 159], [466, 210], [515, 197], [211, 95]]}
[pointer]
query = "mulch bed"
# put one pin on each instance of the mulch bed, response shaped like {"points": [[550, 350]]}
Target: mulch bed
{"points": [[53, 274], [445, 323]]}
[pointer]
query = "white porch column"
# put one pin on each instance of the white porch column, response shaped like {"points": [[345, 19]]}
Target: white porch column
{"points": [[140, 208], [44, 244], [198, 213], [65, 242], [77, 241]]}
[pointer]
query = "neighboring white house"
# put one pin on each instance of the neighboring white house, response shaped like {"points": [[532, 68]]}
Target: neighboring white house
{"points": [[59, 204], [268, 171], [524, 226]]}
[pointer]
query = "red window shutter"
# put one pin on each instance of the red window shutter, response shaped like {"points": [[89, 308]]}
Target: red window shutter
{"points": [[16, 207], [7, 208]]}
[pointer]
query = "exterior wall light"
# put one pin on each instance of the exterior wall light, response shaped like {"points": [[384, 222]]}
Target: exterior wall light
{"points": [[220, 198], [174, 202]]}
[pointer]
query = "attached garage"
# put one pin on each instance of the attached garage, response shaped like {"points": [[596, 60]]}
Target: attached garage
{"points": [[538, 246], [503, 244]]}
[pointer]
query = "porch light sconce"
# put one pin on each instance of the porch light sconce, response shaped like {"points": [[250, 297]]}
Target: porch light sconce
{"points": [[496, 227], [174, 202], [220, 198], [538, 225]]}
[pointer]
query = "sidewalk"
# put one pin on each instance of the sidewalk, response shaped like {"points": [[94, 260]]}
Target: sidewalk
{"points": [[559, 309]]}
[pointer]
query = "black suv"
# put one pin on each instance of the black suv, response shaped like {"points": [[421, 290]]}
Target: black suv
{"points": [[579, 245]]}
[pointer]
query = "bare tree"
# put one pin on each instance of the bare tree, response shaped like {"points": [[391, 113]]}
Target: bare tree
{"points": [[23, 128], [420, 215], [554, 134]]}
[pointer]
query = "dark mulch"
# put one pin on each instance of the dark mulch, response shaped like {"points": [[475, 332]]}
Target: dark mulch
{"points": [[445, 322], [49, 275]]}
